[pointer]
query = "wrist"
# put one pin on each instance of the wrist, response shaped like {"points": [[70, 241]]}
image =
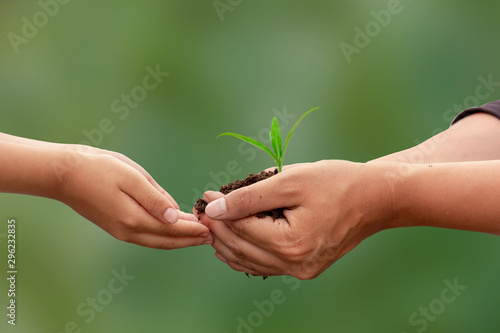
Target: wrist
{"points": [[364, 194], [62, 167], [381, 183], [403, 181], [33, 170]]}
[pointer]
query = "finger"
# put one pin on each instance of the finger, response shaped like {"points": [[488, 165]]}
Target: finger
{"points": [[196, 214], [182, 228], [165, 194], [263, 232], [260, 232], [237, 267], [168, 243], [124, 159], [276, 192], [224, 254], [151, 199], [140, 221], [187, 217], [273, 236], [143, 171], [162, 191], [210, 196], [240, 251]]}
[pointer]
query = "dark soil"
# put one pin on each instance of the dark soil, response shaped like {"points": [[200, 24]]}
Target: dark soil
{"points": [[201, 204]]}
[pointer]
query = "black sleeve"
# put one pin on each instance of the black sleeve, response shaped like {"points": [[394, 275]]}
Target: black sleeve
{"points": [[492, 108]]}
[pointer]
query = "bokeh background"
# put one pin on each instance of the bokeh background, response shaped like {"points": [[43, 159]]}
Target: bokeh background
{"points": [[233, 72]]}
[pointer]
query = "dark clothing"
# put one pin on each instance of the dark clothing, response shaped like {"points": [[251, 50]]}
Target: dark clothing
{"points": [[492, 108]]}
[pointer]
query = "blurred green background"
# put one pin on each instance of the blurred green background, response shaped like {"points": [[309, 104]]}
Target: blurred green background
{"points": [[234, 74]]}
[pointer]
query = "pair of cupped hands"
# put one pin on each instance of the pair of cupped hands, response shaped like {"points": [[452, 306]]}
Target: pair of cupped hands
{"points": [[327, 204]]}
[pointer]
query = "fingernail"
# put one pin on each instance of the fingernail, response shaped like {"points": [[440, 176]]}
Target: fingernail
{"points": [[204, 234], [206, 197], [171, 215], [221, 258], [216, 208], [208, 243]]}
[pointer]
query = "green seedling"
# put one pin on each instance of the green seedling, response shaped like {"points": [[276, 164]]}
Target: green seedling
{"points": [[275, 135]]}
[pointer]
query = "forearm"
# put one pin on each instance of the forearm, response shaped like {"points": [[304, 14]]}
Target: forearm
{"points": [[474, 138], [32, 170], [462, 196]]}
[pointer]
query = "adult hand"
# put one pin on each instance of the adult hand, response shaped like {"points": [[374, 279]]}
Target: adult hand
{"points": [[331, 206]]}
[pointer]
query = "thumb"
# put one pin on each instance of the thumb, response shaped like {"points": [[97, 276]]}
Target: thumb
{"points": [[272, 193], [152, 200], [210, 196]]}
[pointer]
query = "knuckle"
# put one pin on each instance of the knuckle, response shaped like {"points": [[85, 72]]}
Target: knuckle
{"points": [[131, 224], [106, 159], [168, 245], [237, 268], [154, 201], [304, 275], [308, 269], [235, 248], [295, 247], [290, 183], [294, 254], [244, 200], [121, 235], [165, 229], [238, 227], [172, 231]]}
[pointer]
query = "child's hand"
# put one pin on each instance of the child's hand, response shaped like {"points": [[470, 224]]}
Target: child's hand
{"points": [[123, 158], [119, 196]]}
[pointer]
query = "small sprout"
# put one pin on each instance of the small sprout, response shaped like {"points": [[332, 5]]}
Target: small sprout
{"points": [[275, 136]]}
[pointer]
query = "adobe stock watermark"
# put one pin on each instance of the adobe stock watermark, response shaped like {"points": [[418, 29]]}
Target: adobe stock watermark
{"points": [[12, 271], [224, 6], [233, 167], [30, 27], [121, 108], [425, 315], [88, 310], [124, 104], [265, 309], [372, 29], [309, 268]]}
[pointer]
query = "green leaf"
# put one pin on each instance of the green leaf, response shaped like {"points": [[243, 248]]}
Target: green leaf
{"points": [[293, 130], [253, 142], [275, 136]]}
